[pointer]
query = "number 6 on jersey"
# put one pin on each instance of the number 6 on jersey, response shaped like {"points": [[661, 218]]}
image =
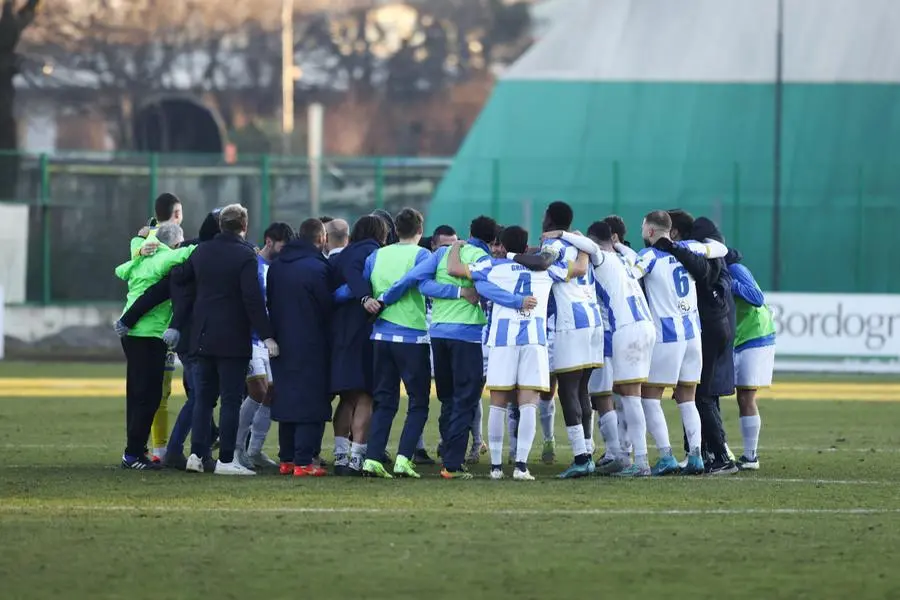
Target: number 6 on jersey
{"points": [[682, 283]]}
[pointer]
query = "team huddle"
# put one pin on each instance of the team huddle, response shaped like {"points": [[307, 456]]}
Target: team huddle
{"points": [[581, 317]]}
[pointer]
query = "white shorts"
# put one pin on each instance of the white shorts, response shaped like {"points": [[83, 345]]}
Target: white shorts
{"points": [[753, 367], [577, 349], [632, 349], [675, 363], [522, 367], [601, 381], [259, 367]]}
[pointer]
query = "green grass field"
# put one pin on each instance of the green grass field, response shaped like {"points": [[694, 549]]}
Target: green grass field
{"points": [[820, 520]]}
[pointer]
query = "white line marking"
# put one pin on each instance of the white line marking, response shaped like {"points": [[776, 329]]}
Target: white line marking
{"points": [[444, 510]]}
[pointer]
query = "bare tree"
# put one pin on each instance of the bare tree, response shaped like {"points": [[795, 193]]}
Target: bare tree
{"points": [[13, 21], [125, 53]]}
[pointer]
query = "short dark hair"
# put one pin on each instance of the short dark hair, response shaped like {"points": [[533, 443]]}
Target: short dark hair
{"points": [[660, 219], [601, 230], [514, 239], [311, 230], [483, 228], [279, 232], [326, 219], [682, 222], [616, 225], [425, 242], [500, 230], [409, 222], [233, 218], [164, 206], [369, 227], [560, 215], [442, 230]]}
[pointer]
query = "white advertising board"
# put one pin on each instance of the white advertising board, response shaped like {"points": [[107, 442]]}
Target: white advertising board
{"points": [[837, 332]]}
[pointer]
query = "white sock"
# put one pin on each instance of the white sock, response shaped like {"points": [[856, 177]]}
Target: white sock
{"points": [[690, 418], [637, 424], [420, 445], [576, 439], [609, 431], [656, 425], [512, 425], [622, 426], [160, 453], [548, 414], [496, 424], [358, 450], [259, 429], [341, 445], [248, 410], [750, 427], [527, 431]]}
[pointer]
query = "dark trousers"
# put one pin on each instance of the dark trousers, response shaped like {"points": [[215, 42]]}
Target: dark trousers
{"points": [[317, 450], [395, 362], [214, 377], [297, 442], [459, 378], [717, 338], [146, 358]]}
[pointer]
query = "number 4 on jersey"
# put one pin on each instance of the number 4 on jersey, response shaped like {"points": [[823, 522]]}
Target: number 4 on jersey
{"points": [[523, 285]]}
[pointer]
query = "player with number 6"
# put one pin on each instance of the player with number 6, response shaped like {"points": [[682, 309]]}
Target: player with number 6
{"points": [[677, 356]]}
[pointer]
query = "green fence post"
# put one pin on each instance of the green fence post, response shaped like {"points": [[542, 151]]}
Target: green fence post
{"points": [[495, 189], [45, 229], [736, 201], [265, 200], [379, 183], [616, 190], [154, 183]]}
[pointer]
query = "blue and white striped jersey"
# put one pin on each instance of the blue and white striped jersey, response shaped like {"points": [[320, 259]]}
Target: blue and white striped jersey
{"points": [[619, 292], [671, 294], [575, 299], [511, 326]]}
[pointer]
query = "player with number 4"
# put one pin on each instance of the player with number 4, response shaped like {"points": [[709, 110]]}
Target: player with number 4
{"points": [[518, 368], [677, 356]]}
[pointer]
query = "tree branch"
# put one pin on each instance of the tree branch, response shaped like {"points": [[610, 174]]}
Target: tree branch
{"points": [[26, 13]]}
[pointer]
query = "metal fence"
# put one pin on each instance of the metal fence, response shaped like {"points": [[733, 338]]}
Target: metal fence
{"points": [[83, 208], [67, 225]]}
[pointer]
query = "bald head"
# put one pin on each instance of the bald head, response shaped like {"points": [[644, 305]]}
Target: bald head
{"points": [[337, 234]]}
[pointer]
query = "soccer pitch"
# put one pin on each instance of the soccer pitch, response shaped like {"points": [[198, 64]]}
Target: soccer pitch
{"points": [[820, 519]]}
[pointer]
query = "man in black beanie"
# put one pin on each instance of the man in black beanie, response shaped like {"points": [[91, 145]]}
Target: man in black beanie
{"points": [[717, 319]]}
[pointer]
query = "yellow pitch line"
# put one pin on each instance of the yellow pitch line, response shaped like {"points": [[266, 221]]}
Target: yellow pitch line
{"points": [[20, 387]]}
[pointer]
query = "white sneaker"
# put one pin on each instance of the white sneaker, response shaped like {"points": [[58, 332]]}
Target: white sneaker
{"points": [[232, 468], [261, 460], [194, 464], [523, 475], [496, 474]]}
